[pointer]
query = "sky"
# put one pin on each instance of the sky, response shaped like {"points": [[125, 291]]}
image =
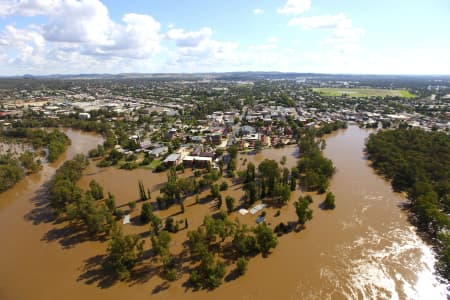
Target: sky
{"points": [[189, 36]]}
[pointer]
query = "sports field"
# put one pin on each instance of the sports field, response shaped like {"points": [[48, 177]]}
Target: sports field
{"points": [[367, 93]]}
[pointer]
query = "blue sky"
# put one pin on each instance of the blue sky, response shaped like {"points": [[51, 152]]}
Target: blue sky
{"points": [[338, 36]]}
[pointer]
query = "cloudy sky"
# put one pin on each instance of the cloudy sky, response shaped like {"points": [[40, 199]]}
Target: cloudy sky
{"points": [[331, 36]]}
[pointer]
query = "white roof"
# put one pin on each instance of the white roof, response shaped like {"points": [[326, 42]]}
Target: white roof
{"points": [[243, 211], [172, 157], [126, 219]]}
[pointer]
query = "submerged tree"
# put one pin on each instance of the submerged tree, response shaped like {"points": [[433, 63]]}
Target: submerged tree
{"points": [[304, 213], [329, 202], [123, 253]]}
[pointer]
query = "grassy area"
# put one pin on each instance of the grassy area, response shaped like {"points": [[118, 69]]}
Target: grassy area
{"points": [[363, 93], [152, 165]]}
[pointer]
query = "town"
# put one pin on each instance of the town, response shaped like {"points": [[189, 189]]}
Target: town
{"points": [[206, 114]]}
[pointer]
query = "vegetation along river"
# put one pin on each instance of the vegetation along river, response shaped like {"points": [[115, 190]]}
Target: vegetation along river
{"points": [[364, 249]]}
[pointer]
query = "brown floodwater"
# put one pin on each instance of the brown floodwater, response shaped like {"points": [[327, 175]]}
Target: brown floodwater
{"points": [[364, 249]]}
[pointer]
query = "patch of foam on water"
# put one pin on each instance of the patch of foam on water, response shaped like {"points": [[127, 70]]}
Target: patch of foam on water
{"points": [[392, 265], [373, 197]]}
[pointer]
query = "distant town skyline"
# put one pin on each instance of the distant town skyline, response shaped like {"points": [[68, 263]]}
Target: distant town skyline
{"points": [[164, 36]]}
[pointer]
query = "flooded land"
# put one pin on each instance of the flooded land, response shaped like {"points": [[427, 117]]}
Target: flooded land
{"points": [[364, 249]]}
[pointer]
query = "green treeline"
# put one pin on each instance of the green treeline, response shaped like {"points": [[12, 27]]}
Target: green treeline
{"points": [[87, 210], [316, 170], [328, 128], [71, 122], [418, 163], [12, 169], [206, 242], [10, 172], [55, 141]]}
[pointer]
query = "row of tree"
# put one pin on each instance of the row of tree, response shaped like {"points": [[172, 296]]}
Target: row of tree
{"points": [[87, 210], [316, 170], [10, 172]]}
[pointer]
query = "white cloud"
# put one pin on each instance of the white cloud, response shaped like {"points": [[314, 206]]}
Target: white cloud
{"points": [[6, 7], [295, 7], [196, 49], [78, 36], [138, 38], [87, 25], [344, 36], [321, 22], [28, 46], [79, 21], [257, 11], [34, 7], [189, 39], [272, 39]]}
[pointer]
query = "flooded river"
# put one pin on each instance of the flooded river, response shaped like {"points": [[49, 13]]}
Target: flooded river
{"points": [[364, 249]]}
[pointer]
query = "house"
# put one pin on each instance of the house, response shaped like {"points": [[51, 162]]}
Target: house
{"points": [[84, 116], [173, 159], [247, 129], [171, 133], [157, 152], [197, 139], [196, 161], [145, 144], [216, 138]]}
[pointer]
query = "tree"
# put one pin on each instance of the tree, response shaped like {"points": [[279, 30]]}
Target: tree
{"points": [[170, 225], [285, 179], [110, 202], [269, 172], [265, 237], [294, 177], [304, 213], [250, 173], [155, 223], [210, 273], [93, 216], [142, 193], [329, 201], [252, 192], [258, 146], [123, 253], [132, 205], [28, 161], [224, 186], [215, 191], [232, 150], [96, 190], [244, 243], [230, 203], [219, 201], [241, 265], [160, 246], [146, 212]]}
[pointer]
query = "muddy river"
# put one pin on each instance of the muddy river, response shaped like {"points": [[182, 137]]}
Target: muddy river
{"points": [[364, 249]]}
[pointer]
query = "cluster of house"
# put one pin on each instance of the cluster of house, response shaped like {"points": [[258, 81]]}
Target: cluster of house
{"points": [[191, 156]]}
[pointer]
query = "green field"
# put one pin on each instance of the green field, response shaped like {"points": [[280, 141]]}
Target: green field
{"points": [[363, 93]]}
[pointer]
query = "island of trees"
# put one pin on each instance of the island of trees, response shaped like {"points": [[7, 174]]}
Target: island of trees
{"points": [[418, 163], [13, 166]]}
